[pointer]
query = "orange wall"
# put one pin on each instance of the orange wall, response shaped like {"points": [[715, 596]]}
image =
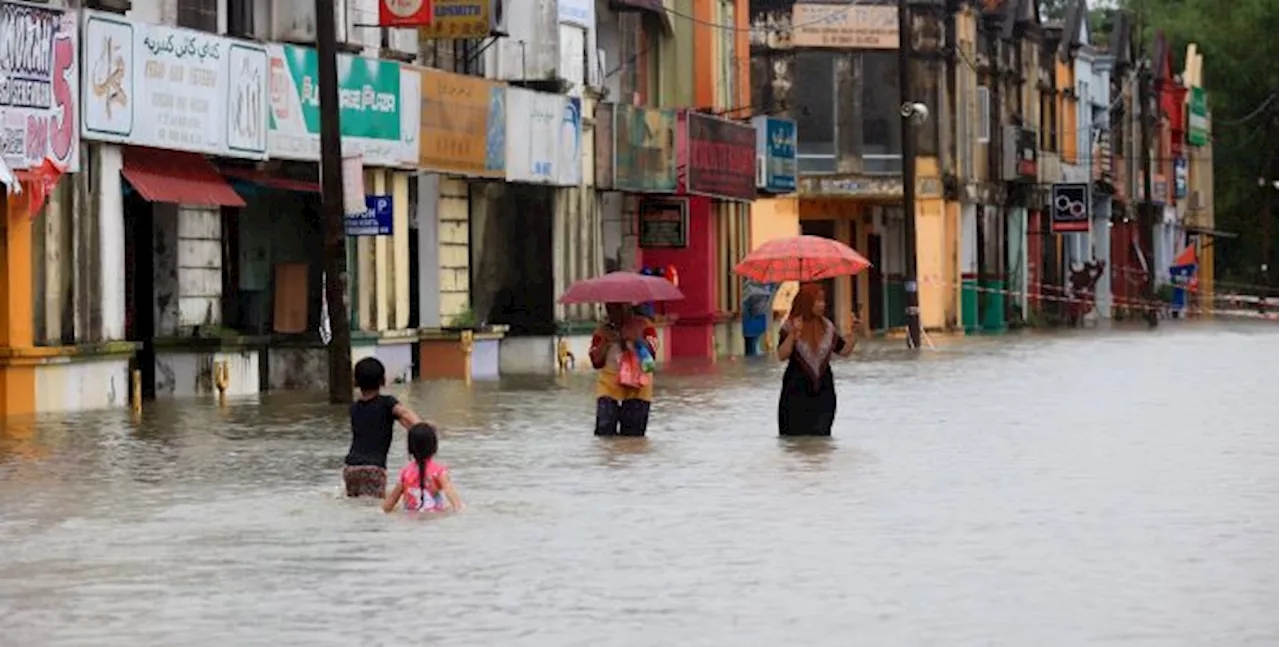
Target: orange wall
{"points": [[705, 55], [1066, 83], [774, 218]]}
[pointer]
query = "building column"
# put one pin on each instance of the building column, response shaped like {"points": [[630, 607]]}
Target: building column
{"points": [[17, 379], [455, 248], [400, 249], [382, 277], [108, 245], [428, 250]]}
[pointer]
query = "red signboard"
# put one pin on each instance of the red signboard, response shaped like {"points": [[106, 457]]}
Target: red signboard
{"points": [[404, 13], [719, 157]]}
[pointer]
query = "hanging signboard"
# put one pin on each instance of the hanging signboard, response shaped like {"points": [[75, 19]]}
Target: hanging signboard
{"points": [[459, 19], [1197, 118], [844, 26], [376, 220], [1070, 208], [177, 89], [463, 124], [404, 13], [664, 223], [378, 107], [719, 157], [775, 154], [544, 138], [644, 155], [39, 86]]}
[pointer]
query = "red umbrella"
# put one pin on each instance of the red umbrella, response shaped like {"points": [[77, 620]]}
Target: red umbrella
{"points": [[622, 287], [801, 258]]}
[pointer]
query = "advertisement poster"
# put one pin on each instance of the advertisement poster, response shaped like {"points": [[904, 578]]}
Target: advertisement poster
{"points": [[463, 124], [39, 86]]}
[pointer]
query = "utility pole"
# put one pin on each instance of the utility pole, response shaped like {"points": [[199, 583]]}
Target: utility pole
{"points": [[1146, 213], [335, 240], [908, 114]]}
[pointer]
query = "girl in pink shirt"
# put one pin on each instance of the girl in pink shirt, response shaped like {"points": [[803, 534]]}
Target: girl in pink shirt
{"points": [[424, 483]]}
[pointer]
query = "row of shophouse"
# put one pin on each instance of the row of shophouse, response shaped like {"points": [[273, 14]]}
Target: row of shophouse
{"points": [[163, 207]]}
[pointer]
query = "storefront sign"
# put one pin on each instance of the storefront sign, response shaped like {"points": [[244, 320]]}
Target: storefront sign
{"points": [[851, 186], [39, 86], [377, 112], [604, 146], [1198, 118], [404, 13], [1069, 204], [375, 221], [844, 26], [463, 125], [544, 138], [775, 154], [644, 154], [178, 89], [1179, 178], [720, 157], [456, 19], [664, 223]]}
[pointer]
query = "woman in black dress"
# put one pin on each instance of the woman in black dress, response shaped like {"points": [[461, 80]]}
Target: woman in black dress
{"points": [[807, 342]]}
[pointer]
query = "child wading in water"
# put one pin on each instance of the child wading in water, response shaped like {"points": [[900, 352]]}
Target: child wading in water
{"points": [[372, 417], [424, 483]]}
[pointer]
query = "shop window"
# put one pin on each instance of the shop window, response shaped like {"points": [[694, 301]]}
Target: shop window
{"points": [[198, 14], [814, 100]]}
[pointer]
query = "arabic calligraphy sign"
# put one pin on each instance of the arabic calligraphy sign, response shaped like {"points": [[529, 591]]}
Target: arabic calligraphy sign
{"points": [[178, 89], [39, 86]]}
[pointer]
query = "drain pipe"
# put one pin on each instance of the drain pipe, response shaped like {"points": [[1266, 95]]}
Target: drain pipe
{"points": [[135, 389]]}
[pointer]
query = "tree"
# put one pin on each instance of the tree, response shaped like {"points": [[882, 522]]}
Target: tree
{"points": [[1240, 76]]}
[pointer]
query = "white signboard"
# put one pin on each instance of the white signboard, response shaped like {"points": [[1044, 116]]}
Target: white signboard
{"points": [[544, 138], [177, 89], [39, 86]]}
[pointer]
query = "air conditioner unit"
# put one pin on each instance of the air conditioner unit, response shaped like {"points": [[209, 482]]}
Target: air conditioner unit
{"points": [[761, 180]]}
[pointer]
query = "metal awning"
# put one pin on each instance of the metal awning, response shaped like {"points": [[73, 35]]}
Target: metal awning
{"points": [[177, 177]]}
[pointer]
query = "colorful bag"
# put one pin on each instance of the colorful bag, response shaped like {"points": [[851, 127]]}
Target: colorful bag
{"points": [[630, 374]]}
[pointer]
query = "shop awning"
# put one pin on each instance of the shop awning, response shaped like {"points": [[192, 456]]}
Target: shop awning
{"points": [[177, 177], [265, 179]]}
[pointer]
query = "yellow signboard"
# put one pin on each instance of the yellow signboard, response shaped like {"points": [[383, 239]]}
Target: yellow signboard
{"points": [[456, 19], [463, 125], [851, 26]]}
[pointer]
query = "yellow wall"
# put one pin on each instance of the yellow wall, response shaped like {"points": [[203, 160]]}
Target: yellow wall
{"points": [[1065, 78], [774, 218], [934, 251], [17, 374]]}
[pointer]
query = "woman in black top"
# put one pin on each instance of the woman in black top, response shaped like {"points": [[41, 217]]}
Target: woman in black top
{"points": [[807, 406], [372, 417]]}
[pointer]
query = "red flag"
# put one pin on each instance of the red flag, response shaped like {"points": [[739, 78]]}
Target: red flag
{"points": [[404, 13], [38, 183]]}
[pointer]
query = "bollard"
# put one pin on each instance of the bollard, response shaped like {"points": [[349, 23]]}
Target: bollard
{"points": [[565, 360], [135, 388], [467, 342], [221, 378]]}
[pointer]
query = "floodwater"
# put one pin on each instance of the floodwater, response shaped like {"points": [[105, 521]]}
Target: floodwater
{"points": [[1090, 488]]}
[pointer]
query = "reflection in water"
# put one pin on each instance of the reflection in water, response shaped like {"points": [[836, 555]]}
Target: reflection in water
{"points": [[1079, 488]]}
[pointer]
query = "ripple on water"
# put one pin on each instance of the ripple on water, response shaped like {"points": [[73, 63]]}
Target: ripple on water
{"points": [[1096, 487]]}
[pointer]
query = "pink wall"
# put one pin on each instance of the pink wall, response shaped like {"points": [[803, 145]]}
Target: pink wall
{"points": [[692, 334]]}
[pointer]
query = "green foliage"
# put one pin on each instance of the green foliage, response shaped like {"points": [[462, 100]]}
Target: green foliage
{"points": [[465, 319], [1238, 42]]}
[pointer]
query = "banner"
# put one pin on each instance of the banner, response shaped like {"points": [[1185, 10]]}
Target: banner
{"points": [[39, 86], [720, 157], [1197, 118], [1070, 208], [463, 124], [544, 138], [644, 156], [375, 113], [457, 19], [844, 26], [177, 89]]}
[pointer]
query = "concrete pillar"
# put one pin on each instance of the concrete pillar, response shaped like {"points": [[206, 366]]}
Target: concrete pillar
{"points": [[455, 250], [428, 250], [382, 288], [17, 379], [108, 244], [400, 248]]}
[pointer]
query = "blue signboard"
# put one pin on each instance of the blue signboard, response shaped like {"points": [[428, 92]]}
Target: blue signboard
{"points": [[375, 221], [776, 154]]}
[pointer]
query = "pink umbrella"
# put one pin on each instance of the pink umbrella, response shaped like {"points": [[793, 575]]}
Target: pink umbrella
{"points": [[622, 287]]}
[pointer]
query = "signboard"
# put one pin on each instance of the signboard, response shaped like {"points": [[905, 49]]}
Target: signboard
{"points": [[463, 125], [177, 89], [775, 154], [1179, 178], [544, 138], [1197, 118], [604, 146], [664, 223], [719, 157], [377, 112], [375, 221], [848, 26], [644, 150], [39, 86], [1070, 208], [404, 13], [456, 19]]}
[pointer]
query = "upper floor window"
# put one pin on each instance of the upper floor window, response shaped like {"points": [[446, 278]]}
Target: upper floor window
{"points": [[984, 114], [814, 109], [881, 129], [240, 18], [198, 14]]}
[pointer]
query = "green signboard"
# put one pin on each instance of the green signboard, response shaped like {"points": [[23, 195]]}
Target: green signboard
{"points": [[1198, 118]]}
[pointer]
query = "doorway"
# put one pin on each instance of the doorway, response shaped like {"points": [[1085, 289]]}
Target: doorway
{"points": [[875, 284], [139, 263]]}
